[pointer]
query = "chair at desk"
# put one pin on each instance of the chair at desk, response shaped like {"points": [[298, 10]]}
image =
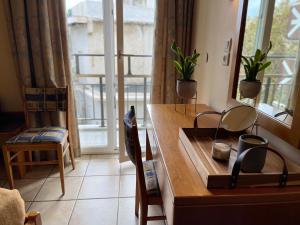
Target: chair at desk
{"points": [[40, 100], [147, 189]]}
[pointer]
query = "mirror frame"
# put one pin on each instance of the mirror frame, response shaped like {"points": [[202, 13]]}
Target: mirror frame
{"points": [[289, 134]]}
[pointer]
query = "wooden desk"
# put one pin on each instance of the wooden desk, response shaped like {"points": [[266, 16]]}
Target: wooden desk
{"points": [[187, 201]]}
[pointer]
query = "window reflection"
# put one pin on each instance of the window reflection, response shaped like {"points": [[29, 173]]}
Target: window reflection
{"points": [[277, 21]]}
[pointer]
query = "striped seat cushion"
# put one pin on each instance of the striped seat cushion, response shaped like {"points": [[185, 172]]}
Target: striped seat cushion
{"points": [[150, 178], [38, 135]]}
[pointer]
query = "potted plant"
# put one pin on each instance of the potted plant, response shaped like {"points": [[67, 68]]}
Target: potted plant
{"points": [[251, 86], [185, 65]]}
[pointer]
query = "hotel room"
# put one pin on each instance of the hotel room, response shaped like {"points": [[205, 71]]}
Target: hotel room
{"points": [[158, 112]]}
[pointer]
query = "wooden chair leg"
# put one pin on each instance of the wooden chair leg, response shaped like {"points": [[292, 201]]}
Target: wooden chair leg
{"points": [[33, 218], [148, 148], [21, 168], [143, 214], [8, 167], [71, 153], [137, 197], [30, 159], [60, 157]]}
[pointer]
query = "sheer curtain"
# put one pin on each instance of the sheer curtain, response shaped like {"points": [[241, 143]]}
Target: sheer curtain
{"points": [[173, 22], [39, 40]]}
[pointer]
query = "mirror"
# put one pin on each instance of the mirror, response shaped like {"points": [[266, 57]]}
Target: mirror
{"points": [[239, 118], [275, 21]]}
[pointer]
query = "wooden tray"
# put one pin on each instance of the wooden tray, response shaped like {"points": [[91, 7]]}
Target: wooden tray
{"points": [[215, 174]]}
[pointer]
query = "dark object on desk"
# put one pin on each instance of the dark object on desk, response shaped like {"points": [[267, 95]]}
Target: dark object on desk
{"points": [[240, 160], [254, 161]]}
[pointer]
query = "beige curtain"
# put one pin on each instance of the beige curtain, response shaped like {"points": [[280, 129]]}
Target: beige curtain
{"points": [[173, 22], [39, 40]]}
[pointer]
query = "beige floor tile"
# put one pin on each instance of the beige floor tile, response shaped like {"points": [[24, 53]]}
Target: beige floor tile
{"points": [[79, 171], [99, 187], [103, 167], [127, 216], [126, 212], [54, 212], [84, 157], [105, 156], [51, 190], [127, 168], [28, 188], [38, 172], [95, 212], [27, 205], [127, 186]]}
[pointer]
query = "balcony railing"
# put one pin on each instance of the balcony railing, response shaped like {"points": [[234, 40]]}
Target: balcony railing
{"points": [[90, 90]]}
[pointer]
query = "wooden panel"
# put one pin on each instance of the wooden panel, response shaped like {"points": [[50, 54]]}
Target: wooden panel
{"points": [[285, 213], [162, 177], [198, 144]]}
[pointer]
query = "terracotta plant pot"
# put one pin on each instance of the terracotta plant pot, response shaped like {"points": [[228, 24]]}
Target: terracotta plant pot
{"points": [[186, 88], [250, 89]]}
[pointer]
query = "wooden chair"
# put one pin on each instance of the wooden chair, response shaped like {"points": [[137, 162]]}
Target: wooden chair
{"points": [[40, 139], [147, 190]]}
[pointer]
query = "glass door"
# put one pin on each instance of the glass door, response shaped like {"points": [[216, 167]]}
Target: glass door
{"points": [[91, 41], [134, 28]]}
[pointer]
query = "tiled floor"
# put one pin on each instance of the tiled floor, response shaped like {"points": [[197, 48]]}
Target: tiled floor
{"points": [[94, 136], [99, 191]]}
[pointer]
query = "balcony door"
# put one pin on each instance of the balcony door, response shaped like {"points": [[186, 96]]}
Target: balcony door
{"points": [[134, 32], [91, 39], [110, 72]]}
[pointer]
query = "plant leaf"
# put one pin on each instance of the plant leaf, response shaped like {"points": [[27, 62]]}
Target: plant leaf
{"points": [[178, 66], [257, 55], [264, 66]]}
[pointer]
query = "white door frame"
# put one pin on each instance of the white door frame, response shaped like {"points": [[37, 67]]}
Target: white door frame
{"points": [[120, 66], [109, 61]]}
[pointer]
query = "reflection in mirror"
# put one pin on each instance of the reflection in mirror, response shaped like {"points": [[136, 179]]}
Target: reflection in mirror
{"points": [[275, 21]]}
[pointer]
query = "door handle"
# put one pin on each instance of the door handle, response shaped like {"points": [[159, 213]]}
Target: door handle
{"points": [[120, 54]]}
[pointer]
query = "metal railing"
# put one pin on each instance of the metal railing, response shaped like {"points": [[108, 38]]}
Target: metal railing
{"points": [[275, 91], [90, 91]]}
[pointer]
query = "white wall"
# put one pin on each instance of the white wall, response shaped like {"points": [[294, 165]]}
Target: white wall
{"points": [[214, 24]]}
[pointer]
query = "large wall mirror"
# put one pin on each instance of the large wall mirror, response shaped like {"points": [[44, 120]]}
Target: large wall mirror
{"points": [[278, 21]]}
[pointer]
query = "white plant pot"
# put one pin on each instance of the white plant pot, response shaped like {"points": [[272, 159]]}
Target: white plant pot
{"points": [[249, 89], [186, 89]]}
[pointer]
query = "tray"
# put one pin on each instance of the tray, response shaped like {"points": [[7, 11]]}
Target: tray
{"points": [[216, 174]]}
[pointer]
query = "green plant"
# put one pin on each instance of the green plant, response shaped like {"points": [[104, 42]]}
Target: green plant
{"points": [[254, 64], [185, 65]]}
